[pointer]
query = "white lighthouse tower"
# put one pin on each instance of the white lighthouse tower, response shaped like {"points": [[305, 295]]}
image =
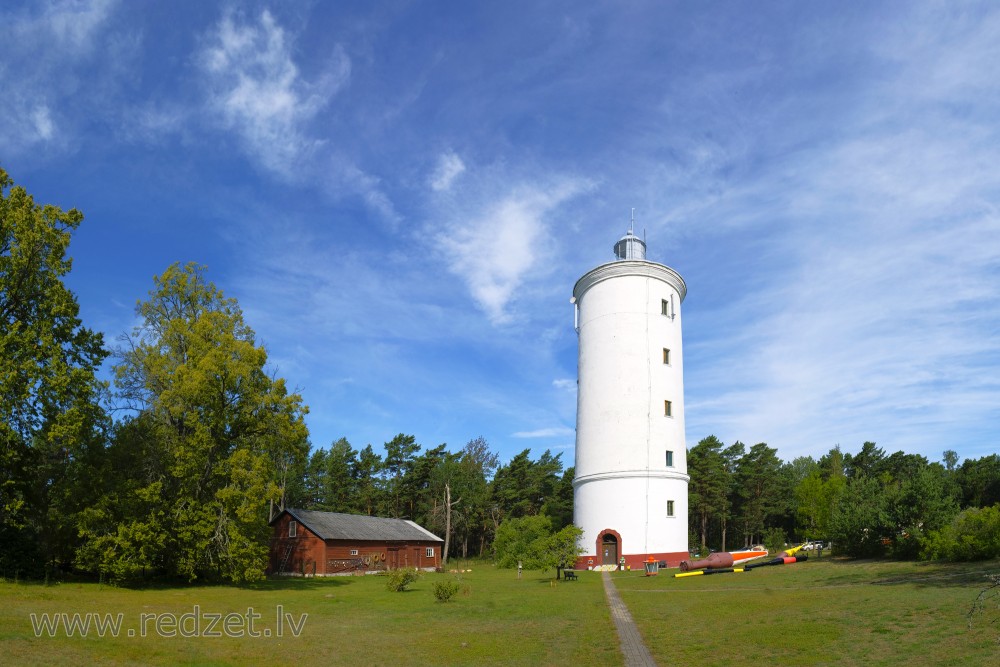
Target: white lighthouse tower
{"points": [[631, 486]]}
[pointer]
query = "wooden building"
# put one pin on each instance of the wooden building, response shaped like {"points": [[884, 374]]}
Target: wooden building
{"points": [[305, 542]]}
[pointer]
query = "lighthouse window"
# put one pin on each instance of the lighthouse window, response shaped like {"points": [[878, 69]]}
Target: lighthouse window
{"points": [[665, 307], [666, 356], [670, 508], [667, 409], [670, 459]]}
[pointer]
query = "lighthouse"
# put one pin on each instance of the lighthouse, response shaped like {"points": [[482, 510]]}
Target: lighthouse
{"points": [[631, 485]]}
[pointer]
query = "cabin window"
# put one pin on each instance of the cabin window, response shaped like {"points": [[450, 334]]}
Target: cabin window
{"points": [[670, 459], [668, 409], [354, 552], [670, 508], [429, 553], [291, 529]]}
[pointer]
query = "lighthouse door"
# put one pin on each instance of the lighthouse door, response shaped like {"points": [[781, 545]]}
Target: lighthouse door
{"points": [[609, 550]]}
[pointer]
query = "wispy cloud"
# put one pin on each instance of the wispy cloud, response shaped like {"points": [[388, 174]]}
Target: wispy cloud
{"points": [[259, 92], [70, 25], [37, 79], [553, 432], [881, 307], [448, 168], [495, 248], [565, 384]]}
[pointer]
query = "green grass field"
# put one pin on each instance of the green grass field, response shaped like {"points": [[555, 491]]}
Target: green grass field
{"points": [[819, 612]]}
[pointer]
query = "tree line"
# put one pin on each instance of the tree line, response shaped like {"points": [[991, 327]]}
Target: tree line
{"points": [[868, 504], [175, 466], [464, 496]]}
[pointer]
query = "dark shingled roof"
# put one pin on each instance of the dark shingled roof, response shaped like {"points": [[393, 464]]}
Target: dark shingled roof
{"points": [[334, 526]]}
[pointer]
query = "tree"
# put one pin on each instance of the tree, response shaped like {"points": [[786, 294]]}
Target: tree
{"points": [[979, 480], [862, 522], [973, 534], [816, 498], [399, 457], [950, 460], [457, 487], [925, 504], [757, 482], [563, 547], [367, 475], [423, 484], [49, 405], [315, 482], [520, 540], [708, 486], [214, 422], [731, 457], [477, 464], [559, 505], [522, 487], [868, 462], [832, 464], [432, 485], [530, 541]]}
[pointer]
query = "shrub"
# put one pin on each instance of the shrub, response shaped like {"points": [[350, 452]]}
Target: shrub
{"points": [[973, 535], [444, 591], [775, 540], [398, 580]]}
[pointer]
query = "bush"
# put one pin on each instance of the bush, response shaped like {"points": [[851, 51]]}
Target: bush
{"points": [[444, 591], [775, 540], [398, 580], [973, 535]]}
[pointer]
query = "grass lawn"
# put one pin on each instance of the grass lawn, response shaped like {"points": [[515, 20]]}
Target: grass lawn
{"points": [[351, 621], [820, 612]]}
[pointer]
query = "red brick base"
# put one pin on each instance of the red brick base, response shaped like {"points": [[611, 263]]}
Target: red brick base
{"points": [[635, 561]]}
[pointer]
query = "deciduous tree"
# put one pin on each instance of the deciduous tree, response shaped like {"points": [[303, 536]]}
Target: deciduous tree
{"points": [[214, 421], [49, 408]]}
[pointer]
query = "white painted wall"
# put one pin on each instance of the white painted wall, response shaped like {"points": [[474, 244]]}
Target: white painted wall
{"points": [[622, 480]]}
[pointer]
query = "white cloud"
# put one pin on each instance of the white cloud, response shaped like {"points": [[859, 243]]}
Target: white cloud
{"points": [[78, 21], [553, 432], [495, 250], [68, 25], [258, 91], [449, 167], [566, 384], [43, 122], [41, 55], [878, 308]]}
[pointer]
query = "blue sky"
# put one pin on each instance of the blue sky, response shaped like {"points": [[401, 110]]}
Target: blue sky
{"points": [[401, 196]]}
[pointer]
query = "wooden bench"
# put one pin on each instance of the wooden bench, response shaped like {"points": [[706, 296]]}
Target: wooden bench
{"points": [[570, 575]]}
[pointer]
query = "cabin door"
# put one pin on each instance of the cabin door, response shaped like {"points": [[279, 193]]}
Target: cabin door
{"points": [[392, 558], [609, 550]]}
